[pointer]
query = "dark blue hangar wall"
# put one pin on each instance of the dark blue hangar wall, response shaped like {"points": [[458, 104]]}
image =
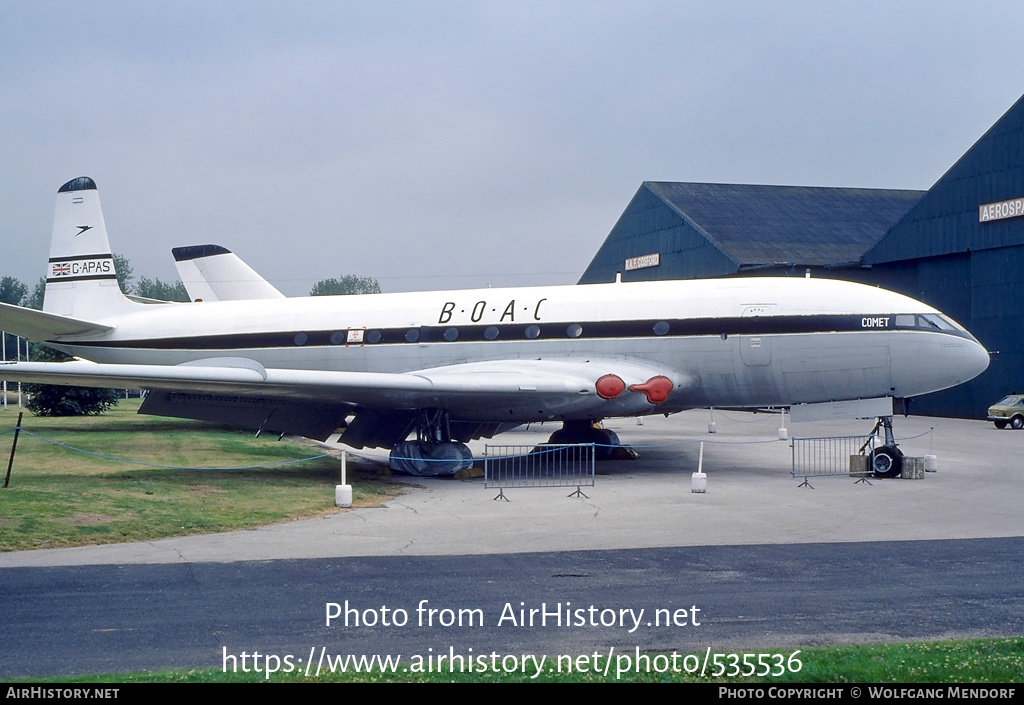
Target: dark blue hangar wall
{"points": [[650, 225], [961, 249], [676, 230], [958, 247]]}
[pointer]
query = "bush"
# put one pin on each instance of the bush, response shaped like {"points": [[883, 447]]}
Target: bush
{"points": [[56, 400]]}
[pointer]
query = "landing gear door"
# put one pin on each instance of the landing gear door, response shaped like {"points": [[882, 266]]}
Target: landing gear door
{"points": [[756, 346]]}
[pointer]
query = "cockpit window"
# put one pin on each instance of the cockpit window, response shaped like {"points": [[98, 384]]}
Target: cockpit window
{"points": [[937, 321], [906, 320]]}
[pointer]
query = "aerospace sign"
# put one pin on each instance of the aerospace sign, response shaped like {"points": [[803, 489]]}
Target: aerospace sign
{"points": [[643, 261], [1002, 210]]}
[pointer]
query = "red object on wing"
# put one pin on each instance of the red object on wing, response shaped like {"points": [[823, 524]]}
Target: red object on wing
{"points": [[657, 389]]}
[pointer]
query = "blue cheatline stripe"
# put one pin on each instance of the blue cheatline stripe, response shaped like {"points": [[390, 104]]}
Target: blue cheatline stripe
{"points": [[527, 331]]}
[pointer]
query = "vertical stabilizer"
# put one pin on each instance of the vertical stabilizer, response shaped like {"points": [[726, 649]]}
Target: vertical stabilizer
{"points": [[81, 280]]}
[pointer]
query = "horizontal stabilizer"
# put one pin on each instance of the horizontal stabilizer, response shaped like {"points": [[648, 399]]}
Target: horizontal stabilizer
{"points": [[39, 326]]}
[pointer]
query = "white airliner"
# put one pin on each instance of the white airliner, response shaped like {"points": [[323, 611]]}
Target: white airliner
{"points": [[450, 366]]}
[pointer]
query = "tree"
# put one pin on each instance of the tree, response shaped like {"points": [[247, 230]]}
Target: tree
{"points": [[12, 291], [35, 299], [348, 284], [54, 400], [163, 291], [124, 270]]}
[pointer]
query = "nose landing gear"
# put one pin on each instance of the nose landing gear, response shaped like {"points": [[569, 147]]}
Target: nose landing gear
{"points": [[887, 460]]}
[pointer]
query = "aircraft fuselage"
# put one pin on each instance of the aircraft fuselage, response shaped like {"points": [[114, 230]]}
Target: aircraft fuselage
{"points": [[743, 342]]}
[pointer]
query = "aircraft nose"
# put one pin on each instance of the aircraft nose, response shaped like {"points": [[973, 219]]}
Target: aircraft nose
{"points": [[929, 362], [976, 359], [962, 359]]}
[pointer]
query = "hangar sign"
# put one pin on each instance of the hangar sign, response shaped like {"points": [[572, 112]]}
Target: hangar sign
{"points": [[999, 211], [643, 261]]}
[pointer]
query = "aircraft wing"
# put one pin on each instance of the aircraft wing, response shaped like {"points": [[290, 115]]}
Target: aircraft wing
{"points": [[314, 403]]}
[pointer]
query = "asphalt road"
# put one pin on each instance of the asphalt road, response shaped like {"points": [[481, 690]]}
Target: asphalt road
{"points": [[84, 619], [769, 566]]}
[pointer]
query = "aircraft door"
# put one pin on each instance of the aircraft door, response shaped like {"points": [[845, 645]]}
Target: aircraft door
{"points": [[755, 347]]}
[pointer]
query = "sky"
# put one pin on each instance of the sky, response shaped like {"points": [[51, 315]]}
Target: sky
{"points": [[441, 144]]}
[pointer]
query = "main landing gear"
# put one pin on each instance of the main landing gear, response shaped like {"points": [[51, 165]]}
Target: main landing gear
{"points": [[433, 453], [887, 460], [606, 442]]}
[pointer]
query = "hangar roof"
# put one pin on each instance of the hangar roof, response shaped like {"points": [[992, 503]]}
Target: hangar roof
{"points": [[764, 225]]}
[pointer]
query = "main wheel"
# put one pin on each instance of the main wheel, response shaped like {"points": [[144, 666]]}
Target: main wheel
{"points": [[887, 461], [605, 440], [1017, 422], [1000, 424]]}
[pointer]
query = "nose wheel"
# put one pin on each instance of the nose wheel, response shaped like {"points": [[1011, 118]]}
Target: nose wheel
{"points": [[886, 461]]}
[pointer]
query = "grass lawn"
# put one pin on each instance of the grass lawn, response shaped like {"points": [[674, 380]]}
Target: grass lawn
{"points": [[961, 661], [59, 497]]}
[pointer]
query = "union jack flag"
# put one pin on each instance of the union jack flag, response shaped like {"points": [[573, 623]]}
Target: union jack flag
{"points": [[61, 270]]}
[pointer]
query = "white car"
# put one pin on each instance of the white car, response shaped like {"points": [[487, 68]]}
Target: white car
{"points": [[1009, 410]]}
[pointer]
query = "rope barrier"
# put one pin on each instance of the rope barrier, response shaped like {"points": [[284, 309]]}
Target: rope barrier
{"points": [[366, 456]]}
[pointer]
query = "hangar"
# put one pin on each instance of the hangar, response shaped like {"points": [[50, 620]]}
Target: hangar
{"points": [[958, 246]]}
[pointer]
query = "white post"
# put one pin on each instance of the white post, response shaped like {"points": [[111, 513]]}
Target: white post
{"points": [[343, 492], [931, 463], [19, 360], [699, 480], [3, 336]]}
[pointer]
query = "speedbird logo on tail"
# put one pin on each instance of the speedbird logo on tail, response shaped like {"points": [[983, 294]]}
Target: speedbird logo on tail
{"points": [[82, 229]]}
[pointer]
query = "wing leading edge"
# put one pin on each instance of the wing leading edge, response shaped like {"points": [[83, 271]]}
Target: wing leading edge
{"points": [[312, 403]]}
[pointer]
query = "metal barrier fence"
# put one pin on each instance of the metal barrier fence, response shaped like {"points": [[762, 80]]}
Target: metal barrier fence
{"points": [[834, 455], [544, 465]]}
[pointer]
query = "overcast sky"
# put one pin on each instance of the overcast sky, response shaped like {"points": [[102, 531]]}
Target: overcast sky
{"points": [[454, 144]]}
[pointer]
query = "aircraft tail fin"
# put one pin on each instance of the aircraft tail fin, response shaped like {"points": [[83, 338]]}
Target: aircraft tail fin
{"points": [[213, 273], [81, 281]]}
